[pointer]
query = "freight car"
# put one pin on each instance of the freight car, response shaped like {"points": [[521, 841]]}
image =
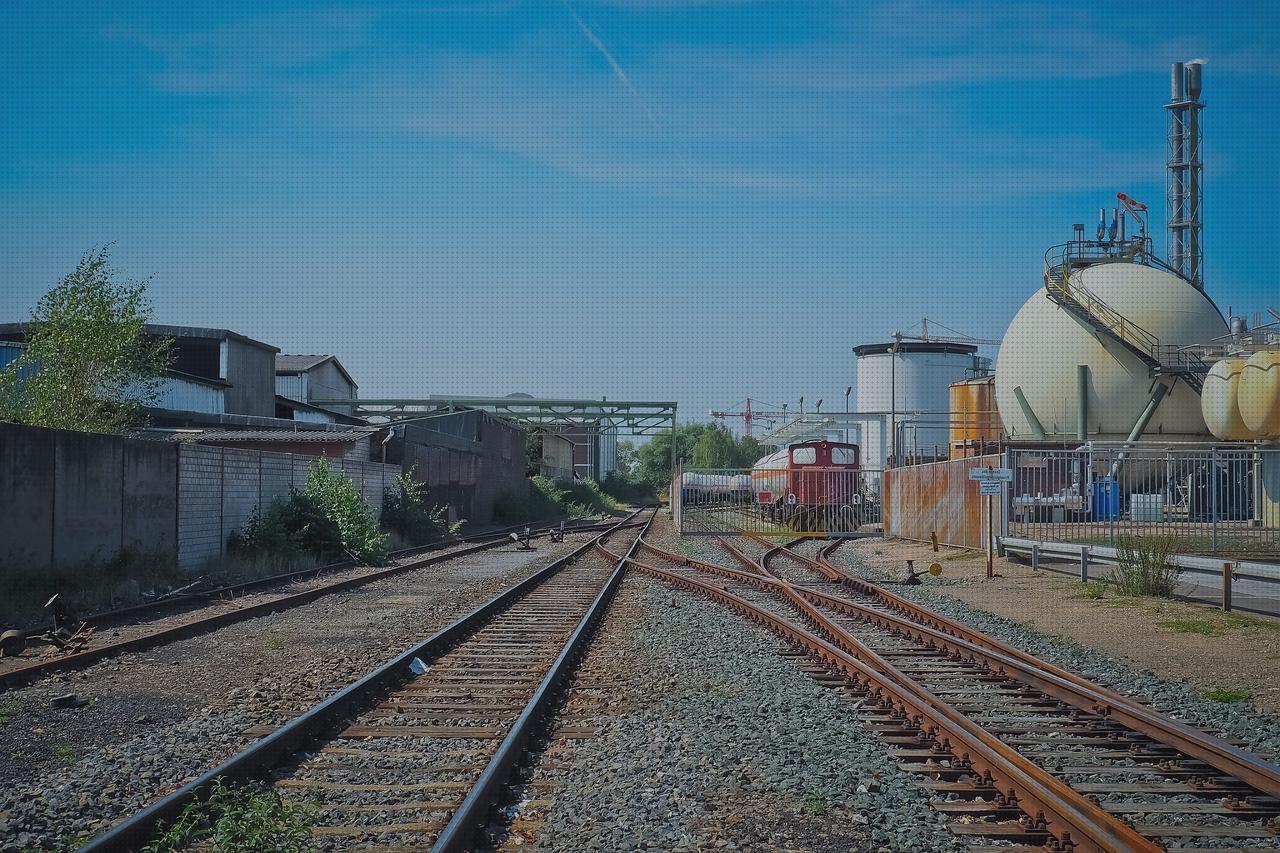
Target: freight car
{"points": [[811, 486], [698, 489]]}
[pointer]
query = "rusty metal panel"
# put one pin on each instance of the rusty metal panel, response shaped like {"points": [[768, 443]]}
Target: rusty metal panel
{"points": [[939, 497]]}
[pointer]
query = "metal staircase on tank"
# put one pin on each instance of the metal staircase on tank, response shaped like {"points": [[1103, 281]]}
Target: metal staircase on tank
{"points": [[1086, 305]]}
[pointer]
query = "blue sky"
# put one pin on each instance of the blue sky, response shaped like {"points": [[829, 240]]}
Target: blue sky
{"points": [[696, 201]]}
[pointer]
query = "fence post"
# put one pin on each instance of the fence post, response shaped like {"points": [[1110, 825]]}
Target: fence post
{"points": [[1213, 499], [1084, 564], [1226, 587], [1035, 557]]}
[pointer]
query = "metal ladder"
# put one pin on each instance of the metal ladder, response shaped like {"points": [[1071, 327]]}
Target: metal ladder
{"points": [[1083, 303]]}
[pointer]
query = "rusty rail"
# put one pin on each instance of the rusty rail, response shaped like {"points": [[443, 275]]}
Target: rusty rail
{"points": [[1047, 803]]}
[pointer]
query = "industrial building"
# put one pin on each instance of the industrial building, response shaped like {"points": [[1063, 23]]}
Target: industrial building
{"points": [[308, 378]]}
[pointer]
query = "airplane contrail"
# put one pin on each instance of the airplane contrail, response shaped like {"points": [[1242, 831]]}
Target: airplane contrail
{"points": [[613, 63]]}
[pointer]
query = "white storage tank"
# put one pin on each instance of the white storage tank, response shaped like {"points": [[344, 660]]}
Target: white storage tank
{"points": [[1038, 370], [915, 382]]}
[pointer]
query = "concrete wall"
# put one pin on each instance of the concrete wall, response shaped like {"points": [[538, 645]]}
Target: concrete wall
{"points": [[939, 498], [71, 497], [251, 372]]}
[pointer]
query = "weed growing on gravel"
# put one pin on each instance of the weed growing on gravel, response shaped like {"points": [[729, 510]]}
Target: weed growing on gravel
{"points": [[1142, 566], [1227, 695], [248, 819], [817, 803], [66, 752], [8, 711], [1094, 589], [275, 642]]}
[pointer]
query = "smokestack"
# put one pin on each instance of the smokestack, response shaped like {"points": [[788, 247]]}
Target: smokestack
{"points": [[1122, 228], [1185, 170], [1102, 224]]}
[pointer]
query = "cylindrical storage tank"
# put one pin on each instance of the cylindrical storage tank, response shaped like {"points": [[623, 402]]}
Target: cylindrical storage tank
{"points": [[1219, 401], [1259, 394], [1038, 373], [915, 382], [974, 421]]}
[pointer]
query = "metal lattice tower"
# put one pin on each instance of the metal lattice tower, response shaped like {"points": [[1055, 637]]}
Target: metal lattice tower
{"points": [[1185, 171]]}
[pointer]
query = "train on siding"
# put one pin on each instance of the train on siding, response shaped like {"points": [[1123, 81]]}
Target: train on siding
{"points": [[809, 485], [812, 485], [715, 489]]}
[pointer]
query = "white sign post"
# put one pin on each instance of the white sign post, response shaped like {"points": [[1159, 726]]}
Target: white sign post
{"points": [[991, 482]]}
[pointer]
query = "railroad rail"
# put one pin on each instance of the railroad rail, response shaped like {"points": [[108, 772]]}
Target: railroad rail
{"points": [[1022, 754], [415, 753], [202, 624]]}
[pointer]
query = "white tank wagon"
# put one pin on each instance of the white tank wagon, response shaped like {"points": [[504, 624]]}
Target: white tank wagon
{"points": [[720, 489]]}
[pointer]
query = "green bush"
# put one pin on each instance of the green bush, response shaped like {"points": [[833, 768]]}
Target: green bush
{"points": [[628, 490], [252, 819], [1142, 566], [548, 500], [405, 512], [328, 519]]}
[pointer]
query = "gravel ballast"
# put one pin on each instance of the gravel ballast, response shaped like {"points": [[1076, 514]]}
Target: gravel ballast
{"points": [[710, 739], [158, 718]]}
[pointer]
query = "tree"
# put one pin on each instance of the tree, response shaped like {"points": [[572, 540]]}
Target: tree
{"points": [[88, 363], [625, 464], [715, 449]]}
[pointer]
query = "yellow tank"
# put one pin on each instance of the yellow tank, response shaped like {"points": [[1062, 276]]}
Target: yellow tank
{"points": [[1258, 395], [1219, 401]]}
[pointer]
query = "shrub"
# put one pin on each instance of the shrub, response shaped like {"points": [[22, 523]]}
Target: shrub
{"points": [[548, 499], [328, 519], [405, 511], [628, 490], [1094, 590], [1143, 566]]}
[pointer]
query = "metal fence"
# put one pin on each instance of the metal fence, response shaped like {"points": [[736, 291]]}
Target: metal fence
{"points": [[779, 501], [1203, 501]]}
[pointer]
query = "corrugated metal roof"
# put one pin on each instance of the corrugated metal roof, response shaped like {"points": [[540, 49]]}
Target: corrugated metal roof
{"points": [[288, 363], [281, 435]]}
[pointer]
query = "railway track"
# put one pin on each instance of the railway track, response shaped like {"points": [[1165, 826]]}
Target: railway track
{"points": [[99, 647], [409, 761], [1020, 754]]}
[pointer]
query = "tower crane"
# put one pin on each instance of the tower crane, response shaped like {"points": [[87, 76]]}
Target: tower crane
{"points": [[749, 414]]}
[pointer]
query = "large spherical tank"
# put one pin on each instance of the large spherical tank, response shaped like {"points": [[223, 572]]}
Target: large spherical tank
{"points": [[1045, 344], [1259, 394], [1219, 402], [916, 383]]}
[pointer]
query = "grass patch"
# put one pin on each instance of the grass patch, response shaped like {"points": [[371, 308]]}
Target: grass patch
{"points": [[818, 803], [1203, 627], [8, 711], [1094, 589], [66, 752], [275, 642], [1227, 695], [252, 819], [960, 555]]}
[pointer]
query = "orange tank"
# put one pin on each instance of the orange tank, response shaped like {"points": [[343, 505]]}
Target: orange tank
{"points": [[975, 423]]}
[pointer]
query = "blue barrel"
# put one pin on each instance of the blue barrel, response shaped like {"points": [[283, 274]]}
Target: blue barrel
{"points": [[1105, 505]]}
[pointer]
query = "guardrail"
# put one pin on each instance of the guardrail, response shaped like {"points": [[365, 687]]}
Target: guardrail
{"points": [[1244, 585]]}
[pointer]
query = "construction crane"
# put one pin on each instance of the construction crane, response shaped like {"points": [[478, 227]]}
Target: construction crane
{"points": [[954, 338], [749, 414]]}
